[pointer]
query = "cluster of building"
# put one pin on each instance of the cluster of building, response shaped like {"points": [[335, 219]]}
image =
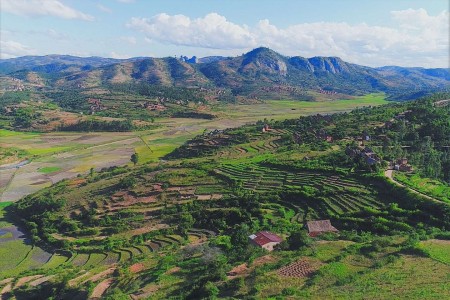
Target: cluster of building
{"points": [[327, 92], [14, 85], [265, 128], [402, 165], [400, 116], [95, 105], [268, 240], [281, 88], [370, 157], [152, 106]]}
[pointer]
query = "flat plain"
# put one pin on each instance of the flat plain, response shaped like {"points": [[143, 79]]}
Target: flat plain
{"points": [[59, 155]]}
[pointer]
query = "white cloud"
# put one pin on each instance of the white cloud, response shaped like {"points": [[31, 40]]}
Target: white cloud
{"points": [[129, 39], [212, 31], [104, 8], [417, 38], [43, 8], [11, 49]]}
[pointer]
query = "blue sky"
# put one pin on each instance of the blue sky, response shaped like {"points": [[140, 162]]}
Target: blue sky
{"points": [[371, 32]]}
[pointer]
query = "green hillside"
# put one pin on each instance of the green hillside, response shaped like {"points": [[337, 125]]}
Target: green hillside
{"points": [[180, 227]]}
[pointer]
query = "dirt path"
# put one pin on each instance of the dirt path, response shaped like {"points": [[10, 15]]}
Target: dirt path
{"points": [[100, 275], [390, 175], [3, 190], [111, 143]]}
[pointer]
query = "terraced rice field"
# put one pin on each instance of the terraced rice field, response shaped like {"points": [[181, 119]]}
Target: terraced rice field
{"points": [[336, 194], [36, 258]]}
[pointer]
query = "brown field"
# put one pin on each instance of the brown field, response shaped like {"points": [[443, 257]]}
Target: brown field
{"points": [[299, 269], [101, 288]]}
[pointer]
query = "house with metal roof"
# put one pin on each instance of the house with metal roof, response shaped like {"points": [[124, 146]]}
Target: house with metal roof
{"points": [[265, 239]]}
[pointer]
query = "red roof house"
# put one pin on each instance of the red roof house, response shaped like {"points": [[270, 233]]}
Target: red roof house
{"points": [[265, 239], [318, 227]]}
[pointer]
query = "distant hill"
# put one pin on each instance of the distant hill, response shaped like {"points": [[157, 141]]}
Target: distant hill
{"points": [[259, 73]]}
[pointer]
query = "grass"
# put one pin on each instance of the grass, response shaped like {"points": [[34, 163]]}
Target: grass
{"points": [[284, 109], [6, 236], [328, 250], [437, 249], [11, 254], [3, 221], [8, 133], [95, 259], [55, 261], [432, 187], [5, 204], [46, 151], [47, 170], [407, 278]]}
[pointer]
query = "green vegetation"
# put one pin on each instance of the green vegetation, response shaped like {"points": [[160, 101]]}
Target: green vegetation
{"points": [[179, 227], [437, 249], [436, 188], [46, 151], [47, 170]]}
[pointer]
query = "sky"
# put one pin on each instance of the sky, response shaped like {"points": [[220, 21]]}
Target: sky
{"points": [[411, 33]]}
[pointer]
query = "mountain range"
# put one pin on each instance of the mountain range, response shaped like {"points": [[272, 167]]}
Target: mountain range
{"points": [[250, 74]]}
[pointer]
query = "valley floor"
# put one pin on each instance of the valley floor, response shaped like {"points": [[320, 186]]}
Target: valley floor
{"points": [[70, 154]]}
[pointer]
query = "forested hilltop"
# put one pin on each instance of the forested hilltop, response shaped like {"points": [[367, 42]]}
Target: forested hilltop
{"points": [[183, 227]]}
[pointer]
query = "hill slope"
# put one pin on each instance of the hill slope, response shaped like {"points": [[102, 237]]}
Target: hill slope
{"points": [[180, 228], [254, 74]]}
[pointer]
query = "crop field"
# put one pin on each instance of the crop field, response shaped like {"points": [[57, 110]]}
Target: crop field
{"points": [[76, 153], [15, 257], [338, 194], [285, 109], [52, 164], [329, 273]]}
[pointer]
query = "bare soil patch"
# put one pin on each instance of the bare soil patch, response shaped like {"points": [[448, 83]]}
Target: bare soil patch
{"points": [[73, 281], [264, 260], [101, 288], [6, 289], [244, 269], [123, 199], [137, 267], [6, 281], [26, 279], [76, 182], [100, 275], [173, 270], [86, 137], [299, 269], [146, 229], [39, 182], [145, 292], [440, 242], [41, 280]]}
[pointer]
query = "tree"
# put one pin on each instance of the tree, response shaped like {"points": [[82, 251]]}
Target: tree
{"points": [[298, 239], [134, 158], [186, 222], [211, 290], [127, 182]]}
